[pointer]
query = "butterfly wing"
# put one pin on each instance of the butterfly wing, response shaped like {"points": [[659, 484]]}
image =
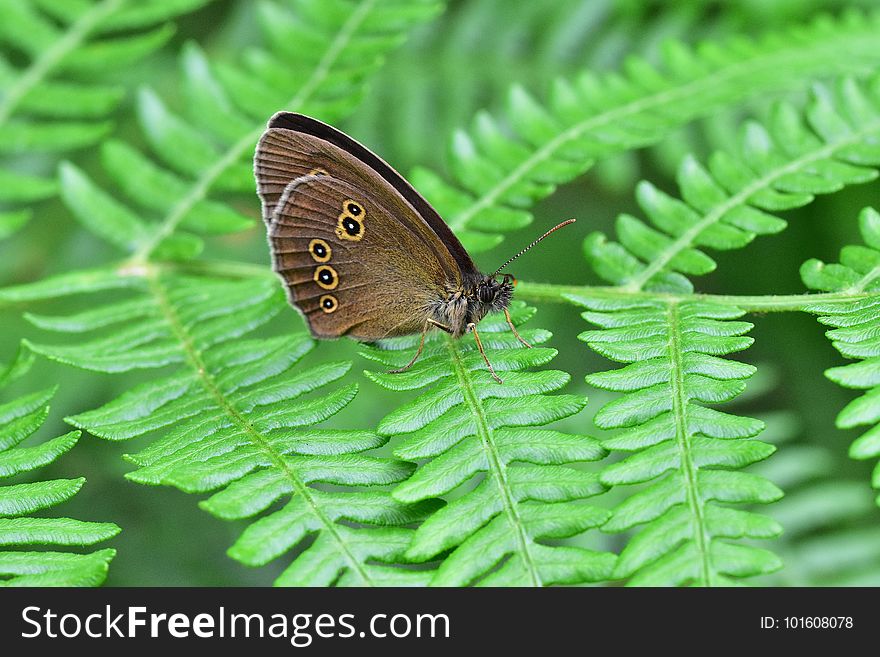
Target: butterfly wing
{"points": [[352, 264], [295, 145]]}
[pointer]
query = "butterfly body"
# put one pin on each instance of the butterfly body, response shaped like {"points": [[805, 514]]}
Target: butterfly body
{"points": [[470, 301], [361, 253]]}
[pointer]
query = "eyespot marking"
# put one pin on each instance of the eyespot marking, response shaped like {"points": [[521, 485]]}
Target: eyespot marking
{"points": [[326, 277], [353, 208], [328, 303], [320, 250], [318, 171], [350, 227], [351, 222]]}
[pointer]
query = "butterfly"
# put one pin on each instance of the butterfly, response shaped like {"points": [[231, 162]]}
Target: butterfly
{"points": [[360, 252]]}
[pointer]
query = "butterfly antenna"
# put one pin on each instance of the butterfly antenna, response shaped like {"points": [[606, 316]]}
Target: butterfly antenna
{"points": [[552, 230]]}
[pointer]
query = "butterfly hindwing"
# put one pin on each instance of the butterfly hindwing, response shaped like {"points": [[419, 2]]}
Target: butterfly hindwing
{"points": [[351, 264]]}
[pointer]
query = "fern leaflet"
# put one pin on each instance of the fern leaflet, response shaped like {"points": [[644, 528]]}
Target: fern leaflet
{"points": [[855, 329], [725, 206], [318, 60], [686, 453], [466, 425], [235, 418], [497, 176], [54, 103], [19, 419], [831, 536]]}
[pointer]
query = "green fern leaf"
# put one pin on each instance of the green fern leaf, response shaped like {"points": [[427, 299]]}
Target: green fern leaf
{"points": [[236, 418], [498, 175], [533, 43], [55, 101], [831, 536], [686, 453], [17, 367], [724, 206], [319, 56], [824, 517], [20, 418], [467, 425], [76, 282], [855, 325]]}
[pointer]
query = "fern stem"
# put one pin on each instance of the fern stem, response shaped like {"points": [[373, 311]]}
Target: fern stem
{"points": [[687, 238], [195, 360], [203, 184], [538, 292], [866, 280], [682, 437], [197, 192], [48, 60], [556, 293], [497, 468]]}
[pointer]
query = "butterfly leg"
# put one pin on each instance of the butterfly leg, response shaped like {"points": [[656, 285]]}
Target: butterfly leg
{"points": [[513, 328], [473, 327], [428, 325], [416, 357], [440, 326]]}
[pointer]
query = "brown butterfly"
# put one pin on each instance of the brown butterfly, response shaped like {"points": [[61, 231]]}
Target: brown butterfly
{"points": [[360, 251]]}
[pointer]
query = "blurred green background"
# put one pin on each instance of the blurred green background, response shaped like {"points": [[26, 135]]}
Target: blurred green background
{"points": [[462, 62]]}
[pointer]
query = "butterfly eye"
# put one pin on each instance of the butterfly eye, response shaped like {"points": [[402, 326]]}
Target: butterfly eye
{"points": [[328, 303], [320, 250], [326, 277]]}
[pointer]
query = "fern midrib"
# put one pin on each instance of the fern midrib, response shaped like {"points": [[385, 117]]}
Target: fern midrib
{"points": [[42, 66], [686, 239], [526, 290], [551, 292], [666, 96], [682, 435], [866, 280], [555, 292], [497, 468], [203, 184], [198, 364]]}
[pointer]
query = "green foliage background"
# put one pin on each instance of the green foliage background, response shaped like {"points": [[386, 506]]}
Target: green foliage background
{"points": [[463, 62]]}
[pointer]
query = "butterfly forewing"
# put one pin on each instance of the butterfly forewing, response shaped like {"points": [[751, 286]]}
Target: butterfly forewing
{"points": [[281, 158], [295, 145], [350, 263]]}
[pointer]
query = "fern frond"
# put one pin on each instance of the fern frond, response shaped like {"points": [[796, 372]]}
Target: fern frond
{"points": [[19, 419], [466, 425], [320, 55], [53, 102], [533, 43], [831, 536], [856, 326], [498, 176], [235, 418], [685, 452], [725, 205]]}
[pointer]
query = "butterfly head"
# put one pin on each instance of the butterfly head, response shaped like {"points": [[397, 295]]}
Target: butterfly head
{"points": [[494, 294]]}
